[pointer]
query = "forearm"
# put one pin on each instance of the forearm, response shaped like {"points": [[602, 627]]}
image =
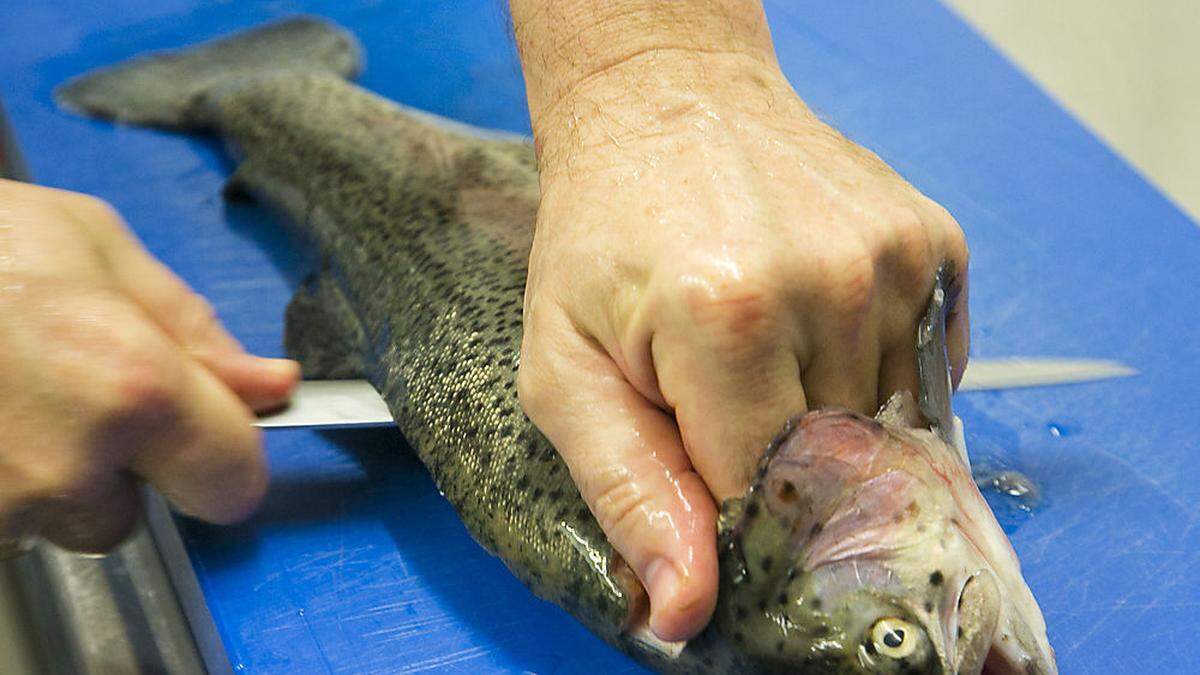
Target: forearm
{"points": [[638, 59]]}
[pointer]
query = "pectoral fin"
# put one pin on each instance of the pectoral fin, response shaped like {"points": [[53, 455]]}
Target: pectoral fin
{"points": [[322, 331]]}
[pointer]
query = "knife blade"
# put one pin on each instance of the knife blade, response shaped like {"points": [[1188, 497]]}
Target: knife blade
{"points": [[1017, 372], [325, 404], [933, 363], [355, 403]]}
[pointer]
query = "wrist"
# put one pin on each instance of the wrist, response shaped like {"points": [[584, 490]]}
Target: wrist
{"points": [[611, 53], [665, 97]]}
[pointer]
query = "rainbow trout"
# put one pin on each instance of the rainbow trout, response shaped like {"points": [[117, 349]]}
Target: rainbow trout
{"points": [[863, 545]]}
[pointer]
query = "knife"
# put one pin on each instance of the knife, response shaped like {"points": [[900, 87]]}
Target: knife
{"points": [[327, 404], [933, 362]]}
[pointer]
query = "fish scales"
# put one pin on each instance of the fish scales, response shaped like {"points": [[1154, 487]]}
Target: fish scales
{"points": [[432, 279], [423, 228]]}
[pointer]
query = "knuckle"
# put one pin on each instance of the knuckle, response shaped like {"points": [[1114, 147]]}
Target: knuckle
{"points": [[911, 247], [849, 289], [92, 213], [543, 368], [91, 207], [52, 476], [531, 393], [618, 501], [909, 233], [196, 317], [142, 381], [535, 389], [954, 240], [70, 470], [730, 306], [956, 246]]}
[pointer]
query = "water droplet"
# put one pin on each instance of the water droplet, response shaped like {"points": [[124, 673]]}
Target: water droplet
{"points": [[1013, 496], [1060, 429], [1017, 485], [1014, 484]]}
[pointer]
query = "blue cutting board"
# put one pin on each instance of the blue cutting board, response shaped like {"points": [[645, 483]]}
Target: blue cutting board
{"points": [[356, 565]]}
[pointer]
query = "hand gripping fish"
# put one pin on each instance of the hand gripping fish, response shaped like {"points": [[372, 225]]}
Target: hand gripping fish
{"points": [[863, 545]]}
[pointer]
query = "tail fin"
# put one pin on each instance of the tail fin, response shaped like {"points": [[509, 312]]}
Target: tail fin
{"points": [[168, 89]]}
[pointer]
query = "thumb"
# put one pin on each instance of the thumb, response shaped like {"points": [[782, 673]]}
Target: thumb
{"points": [[628, 461]]}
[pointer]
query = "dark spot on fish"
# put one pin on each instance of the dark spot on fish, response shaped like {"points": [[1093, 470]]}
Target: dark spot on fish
{"points": [[816, 529], [766, 563], [787, 492], [960, 632], [751, 509], [779, 647], [822, 630], [869, 645], [816, 603], [782, 598], [928, 606], [762, 605], [740, 612], [791, 575], [936, 578], [537, 494]]}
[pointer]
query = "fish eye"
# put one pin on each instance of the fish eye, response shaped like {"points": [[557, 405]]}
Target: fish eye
{"points": [[893, 637]]}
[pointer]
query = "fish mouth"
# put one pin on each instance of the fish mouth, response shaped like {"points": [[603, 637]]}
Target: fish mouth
{"points": [[982, 635], [970, 627]]}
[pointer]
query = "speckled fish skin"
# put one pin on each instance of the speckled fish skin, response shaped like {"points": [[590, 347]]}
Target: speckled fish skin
{"points": [[424, 228]]}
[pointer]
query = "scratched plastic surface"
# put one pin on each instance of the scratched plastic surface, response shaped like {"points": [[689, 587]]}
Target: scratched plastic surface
{"points": [[356, 565]]}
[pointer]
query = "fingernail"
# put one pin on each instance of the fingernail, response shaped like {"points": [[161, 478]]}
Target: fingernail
{"points": [[662, 584], [283, 368]]}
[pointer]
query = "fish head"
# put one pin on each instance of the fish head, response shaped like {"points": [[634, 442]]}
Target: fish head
{"points": [[864, 546]]}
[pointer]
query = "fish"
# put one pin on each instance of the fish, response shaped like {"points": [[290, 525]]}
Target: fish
{"points": [[862, 546]]}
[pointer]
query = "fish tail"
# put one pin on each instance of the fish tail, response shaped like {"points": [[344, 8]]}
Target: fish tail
{"points": [[174, 89]]}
